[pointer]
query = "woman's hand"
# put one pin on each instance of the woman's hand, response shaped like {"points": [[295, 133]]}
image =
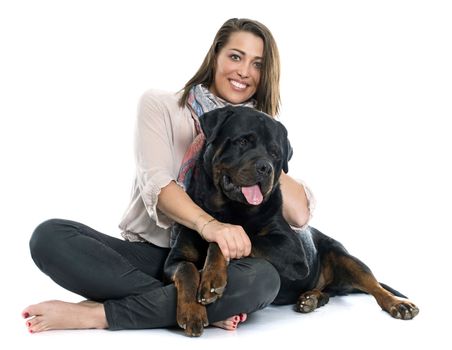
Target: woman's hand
{"points": [[175, 203], [232, 239]]}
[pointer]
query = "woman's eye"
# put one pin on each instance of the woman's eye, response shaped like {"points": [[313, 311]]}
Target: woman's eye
{"points": [[258, 65], [235, 57]]}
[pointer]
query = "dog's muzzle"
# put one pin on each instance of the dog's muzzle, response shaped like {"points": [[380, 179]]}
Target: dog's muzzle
{"points": [[251, 188]]}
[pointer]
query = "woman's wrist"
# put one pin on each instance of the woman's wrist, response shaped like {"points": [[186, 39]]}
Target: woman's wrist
{"points": [[201, 233], [201, 222]]}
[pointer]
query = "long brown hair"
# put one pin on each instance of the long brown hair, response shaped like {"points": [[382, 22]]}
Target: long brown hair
{"points": [[267, 93]]}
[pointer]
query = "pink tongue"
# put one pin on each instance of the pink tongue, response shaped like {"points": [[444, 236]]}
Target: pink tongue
{"points": [[253, 194]]}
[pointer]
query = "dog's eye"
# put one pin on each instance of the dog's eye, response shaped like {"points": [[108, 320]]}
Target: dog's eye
{"points": [[273, 151], [242, 142]]}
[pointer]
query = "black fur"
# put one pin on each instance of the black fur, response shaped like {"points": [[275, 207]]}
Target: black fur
{"points": [[244, 148]]}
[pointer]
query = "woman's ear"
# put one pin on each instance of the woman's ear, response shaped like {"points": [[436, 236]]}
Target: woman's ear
{"points": [[211, 122]]}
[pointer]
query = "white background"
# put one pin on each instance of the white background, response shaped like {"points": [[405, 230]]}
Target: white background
{"points": [[366, 91]]}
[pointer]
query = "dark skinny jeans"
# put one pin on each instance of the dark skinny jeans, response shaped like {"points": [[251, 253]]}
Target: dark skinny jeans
{"points": [[127, 276]]}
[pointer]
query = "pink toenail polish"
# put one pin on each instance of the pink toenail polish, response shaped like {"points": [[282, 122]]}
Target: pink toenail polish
{"points": [[28, 324], [31, 331], [26, 315]]}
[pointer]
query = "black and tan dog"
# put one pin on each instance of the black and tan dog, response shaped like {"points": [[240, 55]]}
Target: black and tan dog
{"points": [[236, 181]]}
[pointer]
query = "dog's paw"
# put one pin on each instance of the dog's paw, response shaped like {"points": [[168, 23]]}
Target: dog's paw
{"points": [[403, 309], [212, 286], [309, 301], [192, 318]]}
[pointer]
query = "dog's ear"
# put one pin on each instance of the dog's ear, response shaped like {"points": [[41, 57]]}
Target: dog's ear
{"points": [[288, 151], [211, 122], [287, 155]]}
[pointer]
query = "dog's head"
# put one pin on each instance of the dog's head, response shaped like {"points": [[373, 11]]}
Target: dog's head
{"points": [[245, 152]]}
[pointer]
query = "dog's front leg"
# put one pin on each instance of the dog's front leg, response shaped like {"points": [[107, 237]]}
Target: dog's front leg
{"points": [[214, 276], [191, 315]]}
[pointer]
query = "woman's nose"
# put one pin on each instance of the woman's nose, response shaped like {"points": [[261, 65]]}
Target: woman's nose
{"points": [[243, 71]]}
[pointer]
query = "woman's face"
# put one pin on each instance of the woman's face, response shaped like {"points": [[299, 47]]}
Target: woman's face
{"points": [[238, 68]]}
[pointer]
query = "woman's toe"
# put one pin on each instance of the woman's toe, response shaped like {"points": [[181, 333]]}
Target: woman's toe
{"points": [[229, 324], [33, 324], [27, 312], [32, 310]]}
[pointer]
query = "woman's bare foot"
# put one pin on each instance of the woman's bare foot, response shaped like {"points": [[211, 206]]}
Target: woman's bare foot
{"points": [[231, 323], [57, 314]]}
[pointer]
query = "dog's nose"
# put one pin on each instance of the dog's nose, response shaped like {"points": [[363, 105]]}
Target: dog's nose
{"points": [[264, 167]]}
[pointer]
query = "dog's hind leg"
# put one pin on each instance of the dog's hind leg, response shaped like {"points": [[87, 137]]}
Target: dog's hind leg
{"points": [[342, 273]]}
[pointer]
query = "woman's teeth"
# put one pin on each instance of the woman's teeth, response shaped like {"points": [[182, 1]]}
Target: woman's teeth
{"points": [[238, 85]]}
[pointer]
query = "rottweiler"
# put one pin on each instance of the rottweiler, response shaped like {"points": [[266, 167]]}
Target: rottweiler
{"points": [[236, 180]]}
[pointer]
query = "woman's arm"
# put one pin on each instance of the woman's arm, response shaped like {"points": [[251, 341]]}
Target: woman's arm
{"points": [[154, 152], [295, 202], [175, 203]]}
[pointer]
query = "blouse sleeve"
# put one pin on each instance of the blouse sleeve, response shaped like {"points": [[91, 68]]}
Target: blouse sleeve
{"points": [[154, 154]]}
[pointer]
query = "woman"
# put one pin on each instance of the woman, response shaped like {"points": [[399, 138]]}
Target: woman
{"points": [[122, 279]]}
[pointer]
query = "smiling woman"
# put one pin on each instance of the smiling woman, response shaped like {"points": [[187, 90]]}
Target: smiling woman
{"points": [[122, 279], [243, 54], [238, 70]]}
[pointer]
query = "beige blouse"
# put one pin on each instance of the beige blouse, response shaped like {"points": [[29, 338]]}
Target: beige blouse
{"points": [[163, 132]]}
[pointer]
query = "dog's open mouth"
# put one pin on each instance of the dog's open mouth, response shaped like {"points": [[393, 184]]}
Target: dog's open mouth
{"points": [[252, 194]]}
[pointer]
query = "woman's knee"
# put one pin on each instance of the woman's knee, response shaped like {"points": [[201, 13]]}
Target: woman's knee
{"points": [[258, 280], [46, 239], [267, 282]]}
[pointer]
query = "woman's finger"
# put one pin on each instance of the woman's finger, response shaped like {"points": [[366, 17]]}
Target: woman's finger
{"points": [[224, 248], [232, 245], [247, 244], [241, 246]]}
